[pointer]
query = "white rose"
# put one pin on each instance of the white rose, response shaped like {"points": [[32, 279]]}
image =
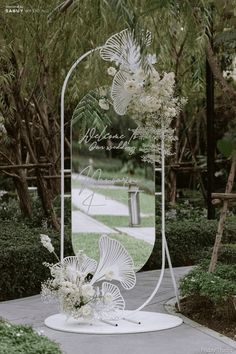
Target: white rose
{"points": [[108, 298], [111, 71], [103, 104], [87, 290], [86, 311], [109, 275]]}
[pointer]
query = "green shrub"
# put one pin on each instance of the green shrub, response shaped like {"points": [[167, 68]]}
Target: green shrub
{"points": [[21, 258], [187, 240], [218, 287], [10, 210], [15, 339], [226, 255]]}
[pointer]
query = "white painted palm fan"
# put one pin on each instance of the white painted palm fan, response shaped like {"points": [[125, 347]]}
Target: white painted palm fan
{"points": [[115, 264]]}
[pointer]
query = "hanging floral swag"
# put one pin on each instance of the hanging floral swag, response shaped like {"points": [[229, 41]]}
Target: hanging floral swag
{"points": [[139, 90]]}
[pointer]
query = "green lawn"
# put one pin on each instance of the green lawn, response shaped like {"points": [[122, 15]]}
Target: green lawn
{"points": [[123, 221], [147, 201], [139, 250]]}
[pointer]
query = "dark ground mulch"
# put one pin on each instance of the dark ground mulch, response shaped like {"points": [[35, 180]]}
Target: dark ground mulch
{"points": [[221, 318]]}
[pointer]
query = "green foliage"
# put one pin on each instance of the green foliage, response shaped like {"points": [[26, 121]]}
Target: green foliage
{"points": [[227, 254], [89, 114], [17, 339], [21, 258], [226, 146], [10, 210], [218, 287], [187, 239]]}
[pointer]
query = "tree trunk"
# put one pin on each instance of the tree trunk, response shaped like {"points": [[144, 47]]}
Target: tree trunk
{"points": [[223, 214], [23, 194], [46, 199]]}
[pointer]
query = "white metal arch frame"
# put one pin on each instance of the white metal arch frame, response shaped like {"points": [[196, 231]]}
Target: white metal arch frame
{"points": [[165, 251]]}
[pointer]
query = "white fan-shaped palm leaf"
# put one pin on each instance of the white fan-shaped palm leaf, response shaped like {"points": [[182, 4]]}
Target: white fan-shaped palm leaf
{"points": [[121, 98], [75, 266], [123, 49], [115, 263], [113, 301]]}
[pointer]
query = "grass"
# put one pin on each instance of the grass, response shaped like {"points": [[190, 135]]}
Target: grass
{"points": [[139, 250], [147, 202], [18, 339], [123, 221]]}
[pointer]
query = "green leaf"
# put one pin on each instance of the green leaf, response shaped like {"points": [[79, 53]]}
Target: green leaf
{"points": [[226, 147]]}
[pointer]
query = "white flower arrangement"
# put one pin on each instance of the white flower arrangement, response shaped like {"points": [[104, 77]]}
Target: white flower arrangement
{"points": [[77, 283]]}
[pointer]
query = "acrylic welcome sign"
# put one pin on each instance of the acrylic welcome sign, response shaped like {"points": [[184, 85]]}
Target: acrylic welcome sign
{"points": [[113, 194], [112, 188]]}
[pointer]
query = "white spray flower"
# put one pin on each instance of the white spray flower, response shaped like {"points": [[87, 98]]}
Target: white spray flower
{"points": [[47, 243]]}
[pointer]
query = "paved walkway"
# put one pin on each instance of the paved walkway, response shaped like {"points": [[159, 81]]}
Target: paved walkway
{"points": [[97, 204], [184, 339], [84, 223]]}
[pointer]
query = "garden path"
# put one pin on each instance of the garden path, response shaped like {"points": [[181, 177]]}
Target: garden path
{"points": [[185, 339], [84, 223]]}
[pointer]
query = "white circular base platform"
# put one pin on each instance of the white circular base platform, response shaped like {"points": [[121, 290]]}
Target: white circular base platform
{"points": [[150, 322]]}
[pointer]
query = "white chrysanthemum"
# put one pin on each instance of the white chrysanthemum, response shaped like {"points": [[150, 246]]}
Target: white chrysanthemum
{"points": [[47, 243], [103, 104], [87, 290], [111, 71]]}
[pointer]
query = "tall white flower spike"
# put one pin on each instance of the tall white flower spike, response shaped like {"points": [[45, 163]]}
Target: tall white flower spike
{"points": [[123, 49], [113, 301], [115, 263]]}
